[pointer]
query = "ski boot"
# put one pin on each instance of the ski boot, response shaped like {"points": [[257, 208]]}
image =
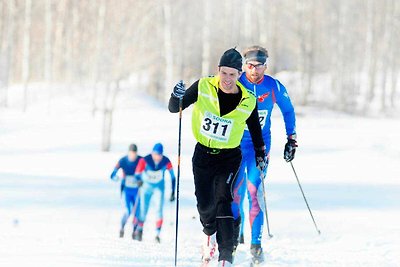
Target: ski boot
{"points": [[209, 248], [158, 240], [121, 233], [257, 254], [241, 239], [139, 235], [134, 235], [224, 263]]}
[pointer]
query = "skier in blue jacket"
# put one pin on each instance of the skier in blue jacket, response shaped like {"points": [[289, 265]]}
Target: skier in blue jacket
{"points": [[151, 169], [129, 186], [269, 91]]}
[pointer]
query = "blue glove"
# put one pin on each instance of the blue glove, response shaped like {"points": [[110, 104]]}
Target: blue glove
{"points": [[179, 90]]}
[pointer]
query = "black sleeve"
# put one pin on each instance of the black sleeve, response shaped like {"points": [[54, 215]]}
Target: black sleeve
{"points": [[253, 123], [189, 98]]}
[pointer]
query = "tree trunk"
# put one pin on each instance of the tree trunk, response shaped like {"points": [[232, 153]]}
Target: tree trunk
{"points": [[247, 28], [8, 45], [26, 52], [109, 107], [370, 54], [302, 31], [206, 27], [99, 46], [394, 54], [59, 43], [168, 51], [1, 26], [310, 54], [48, 52], [107, 127], [273, 28], [262, 25], [387, 31]]}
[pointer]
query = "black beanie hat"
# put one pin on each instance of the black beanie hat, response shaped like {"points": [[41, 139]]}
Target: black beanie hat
{"points": [[231, 58]]}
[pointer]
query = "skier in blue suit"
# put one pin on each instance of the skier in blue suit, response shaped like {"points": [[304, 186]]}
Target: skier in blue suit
{"points": [[151, 169], [129, 186], [269, 91]]}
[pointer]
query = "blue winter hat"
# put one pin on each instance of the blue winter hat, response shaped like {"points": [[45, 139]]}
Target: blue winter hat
{"points": [[158, 148]]}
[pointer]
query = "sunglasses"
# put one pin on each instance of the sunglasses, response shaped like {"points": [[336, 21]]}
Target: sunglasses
{"points": [[257, 67]]}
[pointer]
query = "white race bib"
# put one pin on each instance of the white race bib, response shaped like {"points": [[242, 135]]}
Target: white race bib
{"points": [[130, 181], [153, 176], [262, 116], [215, 127]]}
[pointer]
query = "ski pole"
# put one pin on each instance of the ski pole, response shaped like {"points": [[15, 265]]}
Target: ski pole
{"points": [[302, 192], [265, 204], [177, 179]]}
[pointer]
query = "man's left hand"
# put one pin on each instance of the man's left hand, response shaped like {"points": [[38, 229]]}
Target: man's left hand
{"points": [[261, 159]]}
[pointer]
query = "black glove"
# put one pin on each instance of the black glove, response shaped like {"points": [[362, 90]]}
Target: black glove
{"points": [[179, 90], [290, 148], [261, 159], [172, 197]]}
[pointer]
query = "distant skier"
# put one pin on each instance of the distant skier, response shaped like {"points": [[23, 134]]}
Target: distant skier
{"points": [[151, 170], [269, 91], [129, 186], [222, 109]]}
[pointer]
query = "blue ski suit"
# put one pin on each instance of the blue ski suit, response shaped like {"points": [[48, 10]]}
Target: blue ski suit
{"points": [[153, 185], [129, 187], [268, 92]]}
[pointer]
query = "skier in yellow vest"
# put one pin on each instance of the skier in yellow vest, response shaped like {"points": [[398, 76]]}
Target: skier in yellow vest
{"points": [[222, 110]]}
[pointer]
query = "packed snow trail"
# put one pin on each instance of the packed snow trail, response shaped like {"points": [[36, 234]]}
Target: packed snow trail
{"points": [[59, 208]]}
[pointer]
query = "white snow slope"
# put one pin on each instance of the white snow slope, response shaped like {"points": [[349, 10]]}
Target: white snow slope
{"points": [[58, 206]]}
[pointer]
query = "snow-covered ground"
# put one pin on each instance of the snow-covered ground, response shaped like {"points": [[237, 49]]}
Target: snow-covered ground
{"points": [[59, 208]]}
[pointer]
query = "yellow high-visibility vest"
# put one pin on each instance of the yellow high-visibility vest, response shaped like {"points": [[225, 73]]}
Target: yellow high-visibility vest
{"points": [[209, 127]]}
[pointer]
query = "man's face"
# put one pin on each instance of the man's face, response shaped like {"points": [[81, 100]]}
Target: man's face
{"points": [[255, 70], [156, 157], [132, 155], [228, 77]]}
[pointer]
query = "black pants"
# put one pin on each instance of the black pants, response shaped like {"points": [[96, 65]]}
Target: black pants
{"points": [[214, 177]]}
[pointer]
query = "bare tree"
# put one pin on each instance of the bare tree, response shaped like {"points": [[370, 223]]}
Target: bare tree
{"points": [[59, 42], [206, 29], [48, 54], [307, 46], [393, 51], [370, 52], [168, 51], [8, 45], [387, 29], [112, 90], [101, 14], [26, 52]]}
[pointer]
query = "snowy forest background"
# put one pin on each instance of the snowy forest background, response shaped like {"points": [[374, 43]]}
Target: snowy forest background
{"points": [[339, 54], [82, 79]]}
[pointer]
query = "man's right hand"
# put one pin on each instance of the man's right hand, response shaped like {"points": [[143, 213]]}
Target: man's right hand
{"points": [[179, 90]]}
